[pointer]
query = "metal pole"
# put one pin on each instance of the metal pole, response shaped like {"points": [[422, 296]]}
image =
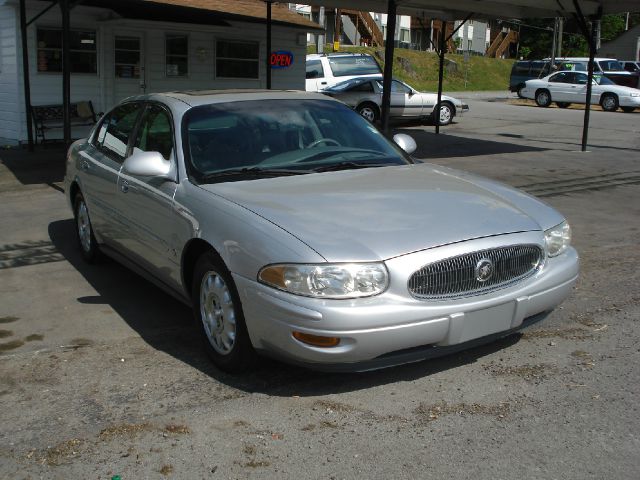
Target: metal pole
{"points": [[320, 37], [560, 29], [587, 108], [553, 45], [388, 65], [441, 52], [268, 45], [25, 73], [66, 73]]}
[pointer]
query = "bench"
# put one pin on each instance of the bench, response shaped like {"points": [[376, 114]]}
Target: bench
{"points": [[50, 117]]}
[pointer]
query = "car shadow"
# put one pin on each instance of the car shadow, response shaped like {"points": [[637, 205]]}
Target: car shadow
{"points": [[167, 325], [45, 165], [431, 146]]}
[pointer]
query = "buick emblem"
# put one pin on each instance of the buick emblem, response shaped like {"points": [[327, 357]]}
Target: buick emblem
{"points": [[484, 270]]}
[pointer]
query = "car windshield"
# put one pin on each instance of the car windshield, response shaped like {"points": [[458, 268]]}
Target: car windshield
{"points": [[353, 65], [602, 80], [253, 139]]}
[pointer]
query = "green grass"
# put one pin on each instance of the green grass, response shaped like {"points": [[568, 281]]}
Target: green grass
{"points": [[479, 73]]}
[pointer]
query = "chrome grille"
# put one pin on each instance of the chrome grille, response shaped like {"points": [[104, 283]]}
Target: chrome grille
{"points": [[459, 276]]}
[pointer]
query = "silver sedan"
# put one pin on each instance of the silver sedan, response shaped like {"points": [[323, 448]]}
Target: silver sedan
{"points": [[364, 95], [295, 229]]}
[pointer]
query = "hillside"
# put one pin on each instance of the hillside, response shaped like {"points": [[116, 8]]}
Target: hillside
{"points": [[420, 70]]}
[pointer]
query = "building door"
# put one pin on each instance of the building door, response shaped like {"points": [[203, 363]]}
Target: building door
{"points": [[129, 68]]}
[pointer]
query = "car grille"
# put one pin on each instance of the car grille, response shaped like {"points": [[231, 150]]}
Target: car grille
{"points": [[461, 276]]}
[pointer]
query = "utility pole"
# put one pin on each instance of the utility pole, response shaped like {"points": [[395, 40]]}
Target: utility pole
{"points": [[559, 44], [598, 27], [553, 45], [320, 37]]}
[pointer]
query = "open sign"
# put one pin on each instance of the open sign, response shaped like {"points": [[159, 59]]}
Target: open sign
{"points": [[281, 59]]}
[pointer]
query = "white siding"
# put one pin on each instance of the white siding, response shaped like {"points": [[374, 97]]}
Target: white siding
{"points": [[46, 88], [10, 123]]}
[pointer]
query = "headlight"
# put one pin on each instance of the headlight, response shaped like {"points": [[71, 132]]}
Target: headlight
{"points": [[633, 94], [557, 239], [339, 280]]}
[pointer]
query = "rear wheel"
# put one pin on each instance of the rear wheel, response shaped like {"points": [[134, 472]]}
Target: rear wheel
{"points": [[84, 232], [219, 316], [609, 102], [628, 109], [369, 111], [543, 98], [563, 104]]}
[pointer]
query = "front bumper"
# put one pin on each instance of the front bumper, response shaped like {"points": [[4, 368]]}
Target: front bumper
{"points": [[394, 327], [629, 101]]}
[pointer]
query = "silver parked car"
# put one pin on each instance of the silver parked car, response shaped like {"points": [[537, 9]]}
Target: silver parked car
{"points": [[294, 228], [364, 95]]}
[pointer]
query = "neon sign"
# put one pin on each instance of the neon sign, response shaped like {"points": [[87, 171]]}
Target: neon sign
{"points": [[281, 59]]}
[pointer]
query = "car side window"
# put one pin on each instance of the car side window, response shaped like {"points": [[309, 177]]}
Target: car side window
{"points": [[114, 132], [581, 79], [397, 87], [362, 87], [562, 77], [314, 69], [155, 133]]}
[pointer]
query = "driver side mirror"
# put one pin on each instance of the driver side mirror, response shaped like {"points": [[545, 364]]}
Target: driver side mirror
{"points": [[405, 142], [148, 164]]}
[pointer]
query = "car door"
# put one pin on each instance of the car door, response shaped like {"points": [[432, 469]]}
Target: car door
{"points": [[581, 89], [559, 86], [315, 76], [147, 202], [99, 168]]}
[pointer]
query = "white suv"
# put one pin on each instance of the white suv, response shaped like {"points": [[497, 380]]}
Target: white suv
{"points": [[324, 71]]}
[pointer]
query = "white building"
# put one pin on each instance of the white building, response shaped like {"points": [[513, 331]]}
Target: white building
{"points": [[474, 37], [121, 48]]}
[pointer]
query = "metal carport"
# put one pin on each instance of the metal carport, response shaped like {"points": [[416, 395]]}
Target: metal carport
{"points": [[581, 10]]}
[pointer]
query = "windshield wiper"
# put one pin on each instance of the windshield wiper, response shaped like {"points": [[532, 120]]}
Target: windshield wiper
{"points": [[349, 166], [254, 172]]}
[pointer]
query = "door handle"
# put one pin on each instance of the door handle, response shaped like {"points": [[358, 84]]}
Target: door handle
{"points": [[124, 186], [323, 83]]}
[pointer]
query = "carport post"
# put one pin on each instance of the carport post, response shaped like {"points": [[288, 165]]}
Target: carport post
{"points": [[25, 73], [590, 36], [441, 50], [268, 44], [66, 73], [388, 64]]}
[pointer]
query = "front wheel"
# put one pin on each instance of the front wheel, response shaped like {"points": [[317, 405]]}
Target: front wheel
{"points": [[84, 232], [219, 316], [609, 102], [446, 114], [543, 98]]}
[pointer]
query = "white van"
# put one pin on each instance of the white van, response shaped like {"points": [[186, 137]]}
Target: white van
{"points": [[324, 70]]}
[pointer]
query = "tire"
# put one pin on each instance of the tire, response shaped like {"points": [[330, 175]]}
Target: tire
{"points": [[369, 111], [543, 98], [219, 317], [84, 231], [519, 91], [447, 112], [628, 109], [563, 104], [609, 102]]}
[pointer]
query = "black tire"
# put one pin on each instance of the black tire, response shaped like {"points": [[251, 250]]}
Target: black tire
{"points": [[543, 98], [215, 299], [563, 104], [609, 102], [369, 111], [84, 231], [519, 90], [447, 112], [628, 109]]}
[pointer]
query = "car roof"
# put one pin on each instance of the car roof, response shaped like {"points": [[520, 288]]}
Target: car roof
{"points": [[312, 56], [206, 97]]}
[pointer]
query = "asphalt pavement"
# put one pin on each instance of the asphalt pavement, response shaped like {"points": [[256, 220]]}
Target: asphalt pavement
{"points": [[101, 373]]}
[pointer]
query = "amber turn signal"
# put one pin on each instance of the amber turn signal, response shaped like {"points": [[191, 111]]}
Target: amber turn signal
{"points": [[316, 340]]}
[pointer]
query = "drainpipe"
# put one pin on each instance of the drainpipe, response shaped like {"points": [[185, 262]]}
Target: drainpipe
{"points": [[25, 73]]}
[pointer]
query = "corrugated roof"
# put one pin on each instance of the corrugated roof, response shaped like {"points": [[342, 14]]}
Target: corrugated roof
{"points": [[256, 9]]}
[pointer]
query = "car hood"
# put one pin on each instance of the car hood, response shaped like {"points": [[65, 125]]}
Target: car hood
{"points": [[379, 213]]}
